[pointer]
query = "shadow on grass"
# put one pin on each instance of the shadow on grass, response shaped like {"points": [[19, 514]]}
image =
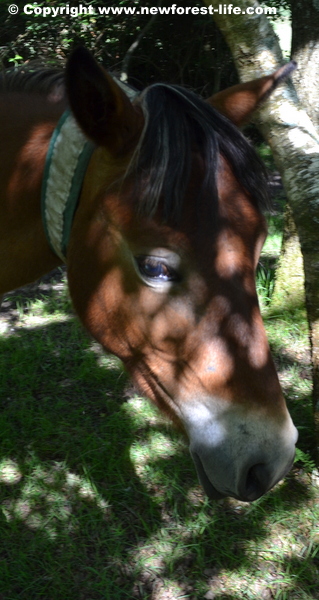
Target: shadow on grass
{"points": [[80, 519], [51, 288], [294, 367]]}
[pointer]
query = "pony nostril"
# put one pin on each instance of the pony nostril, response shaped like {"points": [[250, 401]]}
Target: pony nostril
{"points": [[257, 482], [259, 479]]}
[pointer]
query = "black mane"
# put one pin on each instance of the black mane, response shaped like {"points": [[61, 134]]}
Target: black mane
{"points": [[33, 79], [176, 121]]}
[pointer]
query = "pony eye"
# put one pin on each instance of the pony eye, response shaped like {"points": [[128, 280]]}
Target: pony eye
{"points": [[155, 269]]}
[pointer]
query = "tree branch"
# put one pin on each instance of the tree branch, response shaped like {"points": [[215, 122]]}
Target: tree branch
{"points": [[127, 58]]}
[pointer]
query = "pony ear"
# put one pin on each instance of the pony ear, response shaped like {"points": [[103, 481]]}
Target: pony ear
{"points": [[102, 109], [240, 101]]}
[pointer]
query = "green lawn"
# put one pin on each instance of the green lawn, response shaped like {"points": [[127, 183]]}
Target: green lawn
{"points": [[99, 497]]}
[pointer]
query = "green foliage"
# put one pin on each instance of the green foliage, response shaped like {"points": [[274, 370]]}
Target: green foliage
{"points": [[305, 460], [282, 6], [265, 280], [183, 49], [16, 59], [266, 155]]}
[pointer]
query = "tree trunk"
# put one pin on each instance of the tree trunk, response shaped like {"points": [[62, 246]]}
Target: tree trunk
{"points": [[127, 58], [305, 51], [295, 144], [289, 288]]}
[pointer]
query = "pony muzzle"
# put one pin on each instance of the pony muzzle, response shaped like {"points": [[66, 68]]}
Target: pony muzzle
{"points": [[241, 458], [254, 483]]}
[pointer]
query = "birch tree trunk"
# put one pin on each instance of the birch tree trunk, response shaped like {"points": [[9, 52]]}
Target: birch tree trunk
{"points": [[305, 50], [295, 145], [289, 287]]}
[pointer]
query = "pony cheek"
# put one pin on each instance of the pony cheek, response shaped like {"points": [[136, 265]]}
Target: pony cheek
{"points": [[113, 315]]}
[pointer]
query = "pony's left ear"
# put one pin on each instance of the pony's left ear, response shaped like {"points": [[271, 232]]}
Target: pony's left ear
{"points": [[240, 101], [102, 109]]}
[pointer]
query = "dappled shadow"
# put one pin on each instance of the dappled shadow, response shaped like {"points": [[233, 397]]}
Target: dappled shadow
{"points": [[306, 570], [64, 430], [79, 515], [295, 372], [226, 542], [49, 288]]}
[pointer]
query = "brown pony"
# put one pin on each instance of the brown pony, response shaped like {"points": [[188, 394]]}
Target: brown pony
{"points": [[161, 249]]}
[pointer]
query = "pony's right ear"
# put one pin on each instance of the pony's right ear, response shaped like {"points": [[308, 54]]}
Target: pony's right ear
{"points": [[240, 101], [101, 108]]}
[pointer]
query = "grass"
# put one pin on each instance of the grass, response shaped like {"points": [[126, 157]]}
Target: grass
{"points": [[98, 495]]}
